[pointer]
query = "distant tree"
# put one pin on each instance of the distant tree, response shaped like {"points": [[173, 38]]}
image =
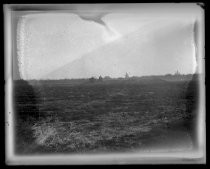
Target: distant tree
{"points": [[107, 77], [168, 74], [100, 78], [126, 75], [92, 79]]}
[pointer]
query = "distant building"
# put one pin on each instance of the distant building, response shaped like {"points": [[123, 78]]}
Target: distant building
{"points": [[92, 79], [177, 73]]}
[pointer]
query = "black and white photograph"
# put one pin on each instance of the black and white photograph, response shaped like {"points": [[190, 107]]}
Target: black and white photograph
{"points": [[104, 84]]}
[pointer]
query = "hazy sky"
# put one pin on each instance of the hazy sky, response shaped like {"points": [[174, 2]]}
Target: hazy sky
{"points": [[63, 45]]}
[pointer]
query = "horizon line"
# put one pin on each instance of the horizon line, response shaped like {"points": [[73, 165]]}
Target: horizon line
{"points": [[104, 77]]}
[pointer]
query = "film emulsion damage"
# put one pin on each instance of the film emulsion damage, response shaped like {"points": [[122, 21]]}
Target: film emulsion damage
{"points": [[111, 79]]}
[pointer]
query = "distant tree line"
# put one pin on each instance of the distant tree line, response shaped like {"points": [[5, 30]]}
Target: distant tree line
{"points": [[177, 74]]}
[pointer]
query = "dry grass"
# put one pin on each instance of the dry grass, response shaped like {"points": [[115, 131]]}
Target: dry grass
{"points": [[81, 135]]}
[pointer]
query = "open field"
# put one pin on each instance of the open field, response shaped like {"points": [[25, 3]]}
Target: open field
{"points": [[107, 116]]}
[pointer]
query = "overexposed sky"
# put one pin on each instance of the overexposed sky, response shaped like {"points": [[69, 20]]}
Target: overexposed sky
{"points": [[54, 45]]}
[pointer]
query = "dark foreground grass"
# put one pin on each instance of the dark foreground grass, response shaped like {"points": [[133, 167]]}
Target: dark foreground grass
{"points": [[103, 117]]}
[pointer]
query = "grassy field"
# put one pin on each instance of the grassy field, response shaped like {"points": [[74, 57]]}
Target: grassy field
{"points": [[107, 116]]}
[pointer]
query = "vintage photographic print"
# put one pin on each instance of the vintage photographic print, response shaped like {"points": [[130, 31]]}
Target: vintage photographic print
{"points": [[105, 84]]}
